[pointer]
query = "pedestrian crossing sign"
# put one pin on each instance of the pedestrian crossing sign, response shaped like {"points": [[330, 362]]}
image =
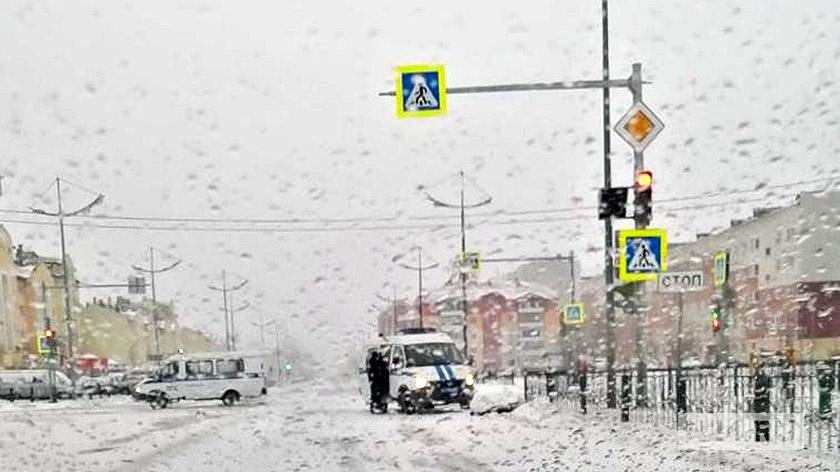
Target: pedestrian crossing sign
{"points": [[573, 314], [421, 91], [470, 261], [642, 254], [721, 268]]}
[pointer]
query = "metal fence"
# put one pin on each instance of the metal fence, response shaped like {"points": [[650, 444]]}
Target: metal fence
{"points": [[796, 404]]}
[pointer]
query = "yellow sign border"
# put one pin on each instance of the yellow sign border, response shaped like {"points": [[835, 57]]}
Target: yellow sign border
{"points": [[566, 318], [463, 258], [440, 69], [716, 282], [623, 234], [38, 345]]}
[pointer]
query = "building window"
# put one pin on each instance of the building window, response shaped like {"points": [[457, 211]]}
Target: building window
{"points": [[755, 267], [767, 278], [757, 243], [767, 251]]}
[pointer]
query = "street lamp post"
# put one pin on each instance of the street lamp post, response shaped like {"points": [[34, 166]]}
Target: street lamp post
{"points": [[419, 268], [152, 271], [233, 311], [61, 215], [225, 289], [462, 206]]}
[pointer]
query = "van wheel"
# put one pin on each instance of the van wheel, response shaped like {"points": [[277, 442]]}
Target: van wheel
{"points": [[406, 405], [159, 400], [230, 397]]}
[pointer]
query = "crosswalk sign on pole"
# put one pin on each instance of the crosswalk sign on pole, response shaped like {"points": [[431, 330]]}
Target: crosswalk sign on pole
{"points": [[470, 261], [642, 254], [42, 344], [421, 90], [573, 314], [721, 268]]}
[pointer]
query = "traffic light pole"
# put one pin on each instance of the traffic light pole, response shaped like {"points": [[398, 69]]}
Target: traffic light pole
{"points": [[51, 359], [641, 222], [609, 269], [605, 84]]}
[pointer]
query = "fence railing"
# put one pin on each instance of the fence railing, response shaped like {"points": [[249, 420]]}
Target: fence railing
{"points": [[788, 404]]}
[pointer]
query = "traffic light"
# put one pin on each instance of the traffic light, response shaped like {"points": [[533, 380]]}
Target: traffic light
{"points": [[287, 366], [643, 188], [716, 321], [49, 336], [612, 202]]}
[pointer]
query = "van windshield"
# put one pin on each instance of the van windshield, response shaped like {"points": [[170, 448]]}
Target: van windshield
{"points": [[432, 354]]}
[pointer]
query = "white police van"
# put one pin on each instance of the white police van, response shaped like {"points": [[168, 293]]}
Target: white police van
{"points": [[427, 369], [226, 376]]}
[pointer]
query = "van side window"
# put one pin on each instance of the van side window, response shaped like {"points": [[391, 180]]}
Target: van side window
{"points": [[170, 371], [199, 369], [397, 358], [385, 351], [230, 367]]}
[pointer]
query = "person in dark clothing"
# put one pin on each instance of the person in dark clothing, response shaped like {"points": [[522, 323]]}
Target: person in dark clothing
{"points": [[378, 376]]}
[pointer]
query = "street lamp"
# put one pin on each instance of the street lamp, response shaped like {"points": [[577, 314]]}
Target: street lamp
{"points": [[462, 205], [152, 271], [225, 289], [419, 268], [61, 214]]}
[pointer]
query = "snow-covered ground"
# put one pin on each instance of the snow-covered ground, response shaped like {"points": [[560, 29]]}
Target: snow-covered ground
{"points": [[316, 426]]}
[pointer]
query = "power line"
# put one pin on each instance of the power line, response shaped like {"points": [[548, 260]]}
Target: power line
{"points": [[351, 229], [397, 218]]}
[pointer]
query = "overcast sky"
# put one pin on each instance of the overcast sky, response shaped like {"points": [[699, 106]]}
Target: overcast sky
{"points": [[269, 110]]}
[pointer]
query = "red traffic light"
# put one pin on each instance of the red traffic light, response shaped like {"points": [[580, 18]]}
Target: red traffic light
{"points": [[716, 324], [644, 180]]}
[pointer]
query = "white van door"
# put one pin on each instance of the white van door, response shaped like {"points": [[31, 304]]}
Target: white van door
{"points": [[396, 366], [198, 381]]}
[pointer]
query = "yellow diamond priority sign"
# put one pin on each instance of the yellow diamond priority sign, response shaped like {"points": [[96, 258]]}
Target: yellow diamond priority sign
{"points": [[639, 126]]}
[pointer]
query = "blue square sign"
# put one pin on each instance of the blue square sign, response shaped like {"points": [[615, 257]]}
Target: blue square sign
{"points": [[643, 254], [421, 91]]}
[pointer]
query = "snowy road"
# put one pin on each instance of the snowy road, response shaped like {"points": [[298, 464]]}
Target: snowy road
{"points": [[314, 427]]}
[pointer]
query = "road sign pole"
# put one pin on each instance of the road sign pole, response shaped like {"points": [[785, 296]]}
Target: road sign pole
{"points": [[681, 400], [640, 223], [609, 302]]}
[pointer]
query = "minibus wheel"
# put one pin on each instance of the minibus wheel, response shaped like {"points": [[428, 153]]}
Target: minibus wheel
{"points": [[230, 397]]}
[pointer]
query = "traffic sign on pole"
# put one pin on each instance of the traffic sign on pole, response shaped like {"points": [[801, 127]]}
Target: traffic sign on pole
{"points": [[720, 268], [43, 345], [684, 281], [642, 254], [470, 261], [573, 314], [639, 126], [421, 90]]}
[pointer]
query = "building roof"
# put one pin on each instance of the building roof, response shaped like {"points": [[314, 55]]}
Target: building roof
{"points": [[510, 289]]}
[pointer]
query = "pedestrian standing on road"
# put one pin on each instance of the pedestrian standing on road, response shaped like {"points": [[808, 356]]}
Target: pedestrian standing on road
{"points": [[378, 376]]}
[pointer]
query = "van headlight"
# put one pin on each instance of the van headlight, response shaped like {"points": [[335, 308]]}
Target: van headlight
{"points": [[419, 381], [469, 379]]}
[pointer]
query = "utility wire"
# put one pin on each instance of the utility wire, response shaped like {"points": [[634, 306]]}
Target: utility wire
{"points": [[397, 218], [351, 229]]}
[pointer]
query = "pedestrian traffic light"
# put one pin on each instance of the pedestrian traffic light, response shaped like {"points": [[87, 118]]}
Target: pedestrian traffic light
{"points": [[643, 188], [612, 202]]}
